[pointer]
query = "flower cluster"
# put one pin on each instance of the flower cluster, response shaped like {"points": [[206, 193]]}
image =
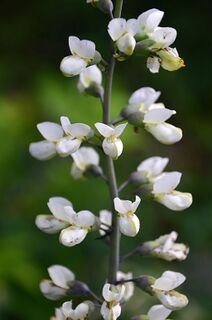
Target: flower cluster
{"points": [[111, 308]]}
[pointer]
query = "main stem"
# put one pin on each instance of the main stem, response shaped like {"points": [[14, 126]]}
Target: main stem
{"points": [[115, 233]]}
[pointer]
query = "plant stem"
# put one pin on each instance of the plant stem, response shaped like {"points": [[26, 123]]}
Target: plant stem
{"points": [[115, 233]]}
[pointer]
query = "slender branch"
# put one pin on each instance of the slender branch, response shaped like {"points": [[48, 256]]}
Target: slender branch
{"points": [[123, 185]]}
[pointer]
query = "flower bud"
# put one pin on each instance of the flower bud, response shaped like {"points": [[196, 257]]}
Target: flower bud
{"points": [[105, 6], [79, 289], [145, 283], [133, 115]]}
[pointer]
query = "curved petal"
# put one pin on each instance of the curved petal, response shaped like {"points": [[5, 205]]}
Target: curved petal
{"points": [[51, 291], [158, 312], [57, 207], [163, 37], [66, 124], [126, 44], [91, 75], [176, 200], [83, 48], [113, 149], [49, 224], [105, 130], [165, 132], [79, 130], [153, 166], [158, 115], [150, 19], [59, 315], [81, 311], [129, 225], [132, 26], [129, 286], [72, 236], [67, 145], [169, 281], [67, 309], [112, 292], [172, 300], [72, 65], [61, 276], [116, 28], [42, 150], [119, 129], [85, 219], [50, 131], [110, 313], [166, 182], [85, 156], [122, 206], [145, 95]]}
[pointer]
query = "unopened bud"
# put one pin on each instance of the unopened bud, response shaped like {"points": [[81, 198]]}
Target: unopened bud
{"points": [[95, 90], [94, 171], [137, 177], [79, 289], [105, 6], [145, 283]]}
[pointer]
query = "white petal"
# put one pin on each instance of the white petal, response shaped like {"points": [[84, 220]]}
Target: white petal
{"points": [[59, 314], [145, 95], [49, 224], [105, 219], [129, 225], [158, 115], [72, 65], [85, 156], [153, 166], [169, 281], [158, 312], [91, 75], [173, 300], [67, 309], [66, 124], [150, 19], [50, 131], [165, 132], [176, 200], [72, 236], [110, 313], [153, 64], [132, 26], [111, 292], [67, 145], [42, 150], [116, 28], [81, 311], [126, 44], [136, 203], [113, 149], [163, 37], [57, 207], [129, 286], [166, 182], [79, 130], [122, 206], [119, 129], [51, 291], [85, 219], [83, 48], [61, 276], [105, 130]]}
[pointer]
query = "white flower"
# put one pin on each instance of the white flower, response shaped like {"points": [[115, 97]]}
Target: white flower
{"points": [[61, 280], [80, 312], [83, 159], [164, 191], [152, 167], [169, 249], [129, 223], [105, 217], [122, 33], [163, 37], [112, 144], [91, 78], [164, 290], [83, 54], [59, 315], [158, 312], [148, 21], [129, 286], [111, 309], [154, 115], [63, 139], [74, 226]]}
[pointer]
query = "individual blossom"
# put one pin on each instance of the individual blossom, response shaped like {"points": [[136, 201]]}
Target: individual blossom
{"points": [[105, 218], [164, 192], [61, 139], [84, 158], [74, 226], [129, 223], [122, 32], [62, 279], [128, 286], [143, 111], [148, 21], [151, 167], [111, 308], [156, 312], [112, 144], [81, 312], [163, 289], [90, 81], [83, 54]]}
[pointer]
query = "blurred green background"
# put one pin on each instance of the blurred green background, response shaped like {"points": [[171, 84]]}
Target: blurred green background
{"points": [[33, 40]]}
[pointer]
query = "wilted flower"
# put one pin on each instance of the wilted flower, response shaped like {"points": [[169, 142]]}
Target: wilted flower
{"points": [[84, 158], [164, 191], [122, 33], [61, 280], [63, 139], [143, 111], [128, 286], [112, 144], [164, 290], [129, 223], [111, 309], [81, 312], [90, 81], [74, 226], [83, 54]]}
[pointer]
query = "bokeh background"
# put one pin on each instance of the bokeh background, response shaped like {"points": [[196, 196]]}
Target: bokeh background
{"points": [[33, 40]]}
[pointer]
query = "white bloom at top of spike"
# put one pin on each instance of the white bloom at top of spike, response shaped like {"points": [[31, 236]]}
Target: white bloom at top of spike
{"points": [[158, 312], [63, 139], [80, 312], [148, 21], [153, 166], [164, 290], [74, 226], [164, 191], [112, 144], [122, 32], [168, 249], [111, 309], [129, 286], [83, 54], [83, 159], [129, 223]]}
